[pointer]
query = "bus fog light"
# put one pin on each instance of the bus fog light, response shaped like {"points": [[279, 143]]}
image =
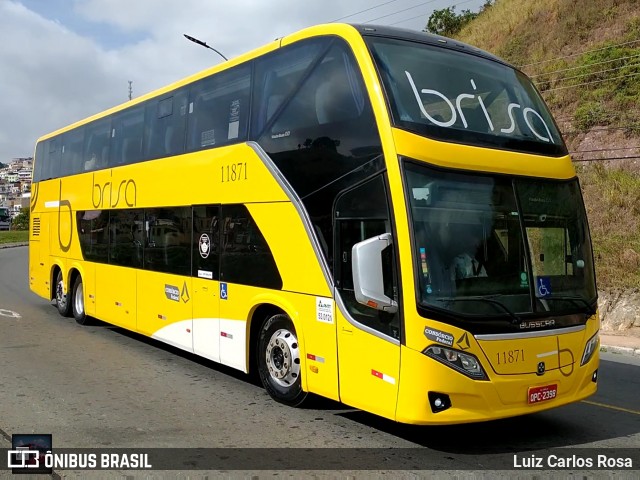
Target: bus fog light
{"points": [[464, 363], [594, 377], [439, 401], [590, 348]]}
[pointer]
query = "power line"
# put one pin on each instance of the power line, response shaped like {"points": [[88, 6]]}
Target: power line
{"points": [[400, 11], [634, 157], [603, 129], [582, 66], [590, 83], [413, 18], [608, 116], [362, 11], [605, 150], [591, 73], [579, 53]]}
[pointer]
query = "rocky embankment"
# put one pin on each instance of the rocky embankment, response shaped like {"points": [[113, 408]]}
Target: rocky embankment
{"points": [[620, 312]]}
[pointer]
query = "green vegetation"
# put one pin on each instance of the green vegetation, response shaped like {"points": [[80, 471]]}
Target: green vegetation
{"points": [[446, 22], [21, 222], [14, 236], [585, 60], [612, 197]]}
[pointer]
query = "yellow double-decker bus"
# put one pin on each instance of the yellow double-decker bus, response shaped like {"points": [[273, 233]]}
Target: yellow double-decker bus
{"points": [[382, 217]]}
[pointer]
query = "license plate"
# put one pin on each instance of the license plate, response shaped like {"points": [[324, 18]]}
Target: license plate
{"points": [[542, 394]]}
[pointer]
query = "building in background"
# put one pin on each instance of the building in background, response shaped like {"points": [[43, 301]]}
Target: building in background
{"points": [[15, 184]]}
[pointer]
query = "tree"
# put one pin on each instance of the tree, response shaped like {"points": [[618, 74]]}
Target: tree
{"points": [[447, 23], [21, 221]]}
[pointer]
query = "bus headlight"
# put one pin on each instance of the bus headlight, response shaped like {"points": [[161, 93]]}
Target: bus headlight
{"points": [[464, 363], [590, 348]]}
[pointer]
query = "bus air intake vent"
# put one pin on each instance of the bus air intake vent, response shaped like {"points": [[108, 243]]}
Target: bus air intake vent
{"points": [[36, 227]]}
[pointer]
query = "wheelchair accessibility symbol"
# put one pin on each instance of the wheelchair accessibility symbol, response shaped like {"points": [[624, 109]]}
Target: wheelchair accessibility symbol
{"points": [[223, 291], [543, 287]]}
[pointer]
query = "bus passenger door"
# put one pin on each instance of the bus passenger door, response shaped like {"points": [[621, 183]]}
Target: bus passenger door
{"points": [[368, 339], [206, 286]]}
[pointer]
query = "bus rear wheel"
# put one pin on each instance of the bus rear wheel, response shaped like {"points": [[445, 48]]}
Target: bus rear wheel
{"points": [[78, 305], [62, 299], [279, 361]]}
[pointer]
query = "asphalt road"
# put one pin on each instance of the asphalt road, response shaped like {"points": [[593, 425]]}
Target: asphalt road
{"points": [[103, 387]]}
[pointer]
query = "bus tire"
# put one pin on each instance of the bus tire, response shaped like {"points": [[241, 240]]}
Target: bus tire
{"points": [[63, 303], [78, 303], [279, 363]]}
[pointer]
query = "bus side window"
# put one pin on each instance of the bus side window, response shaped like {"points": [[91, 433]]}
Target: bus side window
{"points": [[362, 213], [72, 146], [125, 248], [219, 109], [337, 98], [278, 75], [166, 123], [167, 239], [127, 136], [96, 145], [246, 256]]}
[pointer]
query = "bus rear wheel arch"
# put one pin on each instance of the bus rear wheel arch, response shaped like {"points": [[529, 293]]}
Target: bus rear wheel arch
{"points": [[279, 363]]}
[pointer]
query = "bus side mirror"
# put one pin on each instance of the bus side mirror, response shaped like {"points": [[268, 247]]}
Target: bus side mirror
{"points": [[368, 284]]}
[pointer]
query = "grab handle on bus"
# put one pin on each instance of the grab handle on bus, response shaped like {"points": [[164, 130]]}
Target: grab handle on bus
{"points": [[368, 277]]}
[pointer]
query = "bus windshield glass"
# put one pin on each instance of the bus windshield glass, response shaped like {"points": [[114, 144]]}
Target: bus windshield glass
{"points": [[498, 246], [463, 98]]}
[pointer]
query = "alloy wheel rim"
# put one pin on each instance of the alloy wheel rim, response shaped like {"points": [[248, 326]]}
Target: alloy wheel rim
{"points": [[283, 358]]}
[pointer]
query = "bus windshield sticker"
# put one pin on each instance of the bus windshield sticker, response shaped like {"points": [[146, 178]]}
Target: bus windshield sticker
{"points": [[234, 130], [543, 287], [439, 336], [281, 135], [205, 274], [205, 244], [207, 138], [324, 310], [234, 119]]}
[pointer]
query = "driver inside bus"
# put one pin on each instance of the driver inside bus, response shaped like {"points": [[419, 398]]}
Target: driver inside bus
{"points": [[465, 241]]}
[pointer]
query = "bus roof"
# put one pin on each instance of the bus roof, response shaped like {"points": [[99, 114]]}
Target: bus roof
{"points": [[323, 29], [424, 37]]}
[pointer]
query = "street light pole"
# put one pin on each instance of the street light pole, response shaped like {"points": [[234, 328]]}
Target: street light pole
{"points": [[204, 44]]}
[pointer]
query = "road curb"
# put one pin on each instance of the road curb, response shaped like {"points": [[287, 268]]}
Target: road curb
{"points": [[620, 350], [10, 245]]}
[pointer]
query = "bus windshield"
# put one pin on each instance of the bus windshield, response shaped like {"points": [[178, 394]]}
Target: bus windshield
{"points": [[459, 97], [499, 246]]}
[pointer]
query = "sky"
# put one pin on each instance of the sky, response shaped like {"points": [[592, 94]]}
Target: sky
{"points": [[64, 60]]}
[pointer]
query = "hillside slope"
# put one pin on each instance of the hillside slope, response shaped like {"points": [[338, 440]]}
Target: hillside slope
{"points": [[585, 59]]}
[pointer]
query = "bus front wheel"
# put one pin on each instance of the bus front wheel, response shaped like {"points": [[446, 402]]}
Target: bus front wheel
{"points": [[78, 302], [279, 361], [62, 299]]}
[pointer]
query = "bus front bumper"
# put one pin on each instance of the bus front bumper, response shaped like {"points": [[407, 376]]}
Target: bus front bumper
{"points": [[462, 399]]}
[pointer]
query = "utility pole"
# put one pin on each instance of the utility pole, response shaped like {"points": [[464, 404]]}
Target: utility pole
{"points": [[130, 89]]}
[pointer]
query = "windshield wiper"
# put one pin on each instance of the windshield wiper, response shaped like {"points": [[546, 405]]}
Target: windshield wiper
{"points": [[576, 300], [488, 299]]}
